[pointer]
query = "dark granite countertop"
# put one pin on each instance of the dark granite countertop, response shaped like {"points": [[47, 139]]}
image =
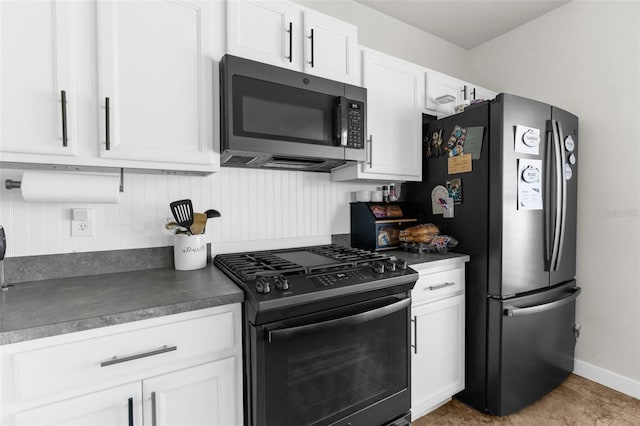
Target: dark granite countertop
{"points": [[43, 308], [128, 285]]}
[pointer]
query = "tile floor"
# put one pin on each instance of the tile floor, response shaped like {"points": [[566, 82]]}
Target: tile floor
{"points": [[577, 401]]}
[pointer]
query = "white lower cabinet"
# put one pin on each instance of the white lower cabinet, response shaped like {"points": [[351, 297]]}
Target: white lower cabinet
{"points": [[437, 327], [104, 408], [182, 369], [202, 395]]}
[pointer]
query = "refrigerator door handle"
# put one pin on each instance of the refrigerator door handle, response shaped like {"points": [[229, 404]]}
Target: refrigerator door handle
{"points": [[514, 311], [563, 191], [560, 189], [548, 198]]}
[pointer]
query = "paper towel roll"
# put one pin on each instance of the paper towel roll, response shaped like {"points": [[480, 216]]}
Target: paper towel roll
{"points": [[70, 187]]}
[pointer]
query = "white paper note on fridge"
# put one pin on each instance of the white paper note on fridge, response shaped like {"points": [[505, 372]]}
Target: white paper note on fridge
{"points": [[529, 184]]}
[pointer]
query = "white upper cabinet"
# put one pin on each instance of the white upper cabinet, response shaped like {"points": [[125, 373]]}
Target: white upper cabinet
{"points": [[329, 47], [444, 93], [155, 81], [156, 69], [37, 84], [394, 121], [265, 31], [288, 35], [477, 92]]}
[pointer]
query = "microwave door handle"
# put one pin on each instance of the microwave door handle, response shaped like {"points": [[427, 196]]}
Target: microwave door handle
{"points": [[341, 118]]}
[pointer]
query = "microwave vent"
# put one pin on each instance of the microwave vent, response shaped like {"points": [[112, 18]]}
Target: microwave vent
{"points": [[240, 159]]}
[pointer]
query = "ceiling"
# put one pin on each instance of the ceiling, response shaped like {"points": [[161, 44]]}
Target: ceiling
{"points": [[466, 23]]}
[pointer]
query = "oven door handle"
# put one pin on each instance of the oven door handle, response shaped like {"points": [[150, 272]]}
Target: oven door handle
{"points": [[287, 333]]}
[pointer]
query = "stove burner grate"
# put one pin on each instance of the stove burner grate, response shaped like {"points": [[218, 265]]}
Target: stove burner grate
{"points": [[248, 266]]}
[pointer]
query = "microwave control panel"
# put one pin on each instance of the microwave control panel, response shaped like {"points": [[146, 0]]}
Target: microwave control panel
{"points": [[355, 124]]}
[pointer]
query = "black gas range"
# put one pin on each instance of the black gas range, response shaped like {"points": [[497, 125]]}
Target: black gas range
{"points": [[294, 281], [326, 335]]}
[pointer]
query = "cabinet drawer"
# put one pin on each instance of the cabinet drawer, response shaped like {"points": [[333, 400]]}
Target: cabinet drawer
{"points": [[120, 356], [433, 285]]}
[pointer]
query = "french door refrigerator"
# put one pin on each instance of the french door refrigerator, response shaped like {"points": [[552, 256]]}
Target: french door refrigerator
{"points": [[514, 213]]}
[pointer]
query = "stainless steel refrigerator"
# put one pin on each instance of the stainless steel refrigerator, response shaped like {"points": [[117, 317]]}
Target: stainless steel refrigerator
{"points": [[514, 202]]}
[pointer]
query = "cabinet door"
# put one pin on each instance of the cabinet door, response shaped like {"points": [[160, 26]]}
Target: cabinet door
{"points": [[203, 395], [265, 31], [394, 116], [443, 93], [36, 67], [437, 361], [156, 81], [329, 47], [478, 92], [105, 408]]}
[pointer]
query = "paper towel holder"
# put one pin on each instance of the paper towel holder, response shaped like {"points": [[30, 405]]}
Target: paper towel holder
{"points": [[17, 184], [12, 184]]}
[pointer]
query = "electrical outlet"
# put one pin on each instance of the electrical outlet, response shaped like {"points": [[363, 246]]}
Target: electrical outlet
{"points": [[82, 223]]}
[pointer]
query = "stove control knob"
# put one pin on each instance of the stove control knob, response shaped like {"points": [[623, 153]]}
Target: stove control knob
{"points": [[262, 286], [377, 267], [402, 264], [282, 283], [390, 265]]}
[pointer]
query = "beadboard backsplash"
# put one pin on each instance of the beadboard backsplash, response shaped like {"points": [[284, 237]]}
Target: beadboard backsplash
{"points": [[256, 205]]}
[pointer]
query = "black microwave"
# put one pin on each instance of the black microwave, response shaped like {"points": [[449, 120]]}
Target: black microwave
{"points": [[277, 118]]}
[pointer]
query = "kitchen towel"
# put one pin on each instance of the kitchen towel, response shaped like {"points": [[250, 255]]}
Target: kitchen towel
{"points": [[70, 187]]}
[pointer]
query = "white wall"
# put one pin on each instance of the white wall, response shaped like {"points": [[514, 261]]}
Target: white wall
{"points": [[585, 57]]}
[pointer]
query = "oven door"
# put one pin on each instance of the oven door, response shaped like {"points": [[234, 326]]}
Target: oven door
{"points": [[342, 366]]}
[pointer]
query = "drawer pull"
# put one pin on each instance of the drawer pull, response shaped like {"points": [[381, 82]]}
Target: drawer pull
{"points": [[116, 360], [438, 287], [415, 334]]}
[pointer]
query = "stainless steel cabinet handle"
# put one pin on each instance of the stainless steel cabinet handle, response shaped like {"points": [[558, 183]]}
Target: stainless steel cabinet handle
{"points": [[415, 334], [106, 124], [290, 41], [370, 142], [63, 101], [153, 409], [311, 38], [437, 287], [116, 360]]}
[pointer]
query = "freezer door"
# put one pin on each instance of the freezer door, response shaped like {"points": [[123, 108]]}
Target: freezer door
{"points": [[562, 214], [530, 348], [517, 240]]}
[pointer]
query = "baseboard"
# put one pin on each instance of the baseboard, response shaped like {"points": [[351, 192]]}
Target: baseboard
{"points": [[607, 378]]}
